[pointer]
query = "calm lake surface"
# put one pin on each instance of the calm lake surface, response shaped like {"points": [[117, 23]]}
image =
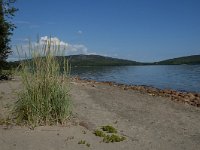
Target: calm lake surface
{"points": [[178, 77]]}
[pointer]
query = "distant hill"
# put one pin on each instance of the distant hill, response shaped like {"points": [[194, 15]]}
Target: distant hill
{"points": [[90, 60], [189, 60], [97, 60]]}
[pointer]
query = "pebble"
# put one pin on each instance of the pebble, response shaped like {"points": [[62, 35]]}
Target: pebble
{"points": [[184, 97]]}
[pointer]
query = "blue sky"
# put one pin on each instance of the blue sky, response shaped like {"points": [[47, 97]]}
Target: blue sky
{"points": [[141, 30]]}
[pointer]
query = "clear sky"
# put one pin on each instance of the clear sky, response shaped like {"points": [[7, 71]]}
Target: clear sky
{"points": [[141, 30]]}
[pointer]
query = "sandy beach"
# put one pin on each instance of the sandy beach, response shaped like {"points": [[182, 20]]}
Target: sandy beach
{"points": [[147, 121]]}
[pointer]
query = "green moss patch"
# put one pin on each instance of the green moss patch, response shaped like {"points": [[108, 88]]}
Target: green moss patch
{"points": [[99, 133], [84, 143], [109, 129], [106, 133], [81, 142], [113, 138]]}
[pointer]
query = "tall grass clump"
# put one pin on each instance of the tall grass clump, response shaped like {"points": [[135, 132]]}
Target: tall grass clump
{"points": [[45, 97]]}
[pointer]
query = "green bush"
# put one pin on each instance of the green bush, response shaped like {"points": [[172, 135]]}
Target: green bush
{"points": [[45, 98], [6, 74]]}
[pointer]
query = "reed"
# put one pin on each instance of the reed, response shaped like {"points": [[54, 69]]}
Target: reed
{"points": [[45, 97]]}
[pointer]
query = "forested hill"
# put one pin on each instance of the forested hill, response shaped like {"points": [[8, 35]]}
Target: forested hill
{"points": [[97, 60], [190, 60], [90, 60]]}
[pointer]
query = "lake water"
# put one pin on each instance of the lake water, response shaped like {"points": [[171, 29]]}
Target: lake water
{"points": [[177, 77]]}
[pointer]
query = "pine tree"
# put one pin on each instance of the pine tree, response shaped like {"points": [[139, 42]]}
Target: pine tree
{"points": [[7, 12]]}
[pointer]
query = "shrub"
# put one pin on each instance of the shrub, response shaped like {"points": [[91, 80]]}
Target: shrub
{"points": [[6, 74], [45, 98]]}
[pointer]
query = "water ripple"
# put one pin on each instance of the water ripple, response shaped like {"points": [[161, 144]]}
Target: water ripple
{"points": [[177, 77]]}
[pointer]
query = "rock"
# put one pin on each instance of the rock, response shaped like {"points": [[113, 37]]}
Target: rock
{"points": [[93, 85], [191, 96], [125, 88], [167, 91]]}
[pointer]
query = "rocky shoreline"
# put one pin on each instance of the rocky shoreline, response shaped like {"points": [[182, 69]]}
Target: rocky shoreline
{"points": [[177, 96]]}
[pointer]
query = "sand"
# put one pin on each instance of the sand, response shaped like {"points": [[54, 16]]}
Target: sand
{"points": [[148, 122]]}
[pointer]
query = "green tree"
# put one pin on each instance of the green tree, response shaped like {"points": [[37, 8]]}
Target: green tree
{"points": [[7, 12]]}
